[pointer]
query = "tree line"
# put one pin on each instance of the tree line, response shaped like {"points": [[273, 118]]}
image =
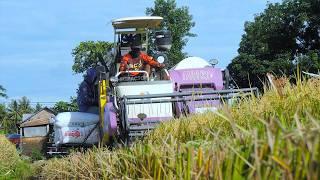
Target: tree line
{"points": [[282, 39]]}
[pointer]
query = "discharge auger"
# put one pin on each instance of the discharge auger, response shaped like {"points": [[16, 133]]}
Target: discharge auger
{"points": [[131, 105]]}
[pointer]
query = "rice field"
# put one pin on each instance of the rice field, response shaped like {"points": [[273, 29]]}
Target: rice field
{"points": [[275, 136]]}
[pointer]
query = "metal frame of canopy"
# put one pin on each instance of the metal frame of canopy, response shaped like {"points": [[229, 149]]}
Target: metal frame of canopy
{"points": [[139, 24]]}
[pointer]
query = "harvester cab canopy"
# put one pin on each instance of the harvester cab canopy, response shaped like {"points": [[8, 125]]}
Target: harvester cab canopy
{"points": [[137, 22], [132, 31]]}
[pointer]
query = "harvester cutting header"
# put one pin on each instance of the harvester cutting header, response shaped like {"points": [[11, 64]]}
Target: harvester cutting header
{"points": [[136, 91]]}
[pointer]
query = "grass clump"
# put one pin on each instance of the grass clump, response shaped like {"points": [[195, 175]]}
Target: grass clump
{"points": [[271, 137], [11, 165]]}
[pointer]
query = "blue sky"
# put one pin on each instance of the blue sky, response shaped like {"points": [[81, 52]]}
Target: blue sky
{"points": [[37, 37]]}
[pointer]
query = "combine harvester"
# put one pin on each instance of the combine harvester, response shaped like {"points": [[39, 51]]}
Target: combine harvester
{"points": [[131, 106]]}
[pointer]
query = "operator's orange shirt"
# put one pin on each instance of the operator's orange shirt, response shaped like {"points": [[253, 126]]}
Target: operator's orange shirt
{"points": [[135, 64]]}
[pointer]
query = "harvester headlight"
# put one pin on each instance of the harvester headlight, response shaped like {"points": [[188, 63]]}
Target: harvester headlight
{"points": [[160, 59]]}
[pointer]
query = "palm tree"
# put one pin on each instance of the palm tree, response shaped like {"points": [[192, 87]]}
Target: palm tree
{"points": [[15, 110], [24, 105], [3, 111], [37, 108], [3, 92], [3, 114], [14, 115]]}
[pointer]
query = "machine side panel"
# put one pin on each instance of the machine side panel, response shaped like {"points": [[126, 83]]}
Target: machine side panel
{"points": [[110, 120]]}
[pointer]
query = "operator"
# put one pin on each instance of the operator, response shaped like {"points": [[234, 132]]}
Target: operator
{"points": [[87, 99], [136, 60]]}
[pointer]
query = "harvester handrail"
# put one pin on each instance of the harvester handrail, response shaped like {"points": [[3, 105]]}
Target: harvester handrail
{"points": [[177, 94], [183, 99], [146, 101]]}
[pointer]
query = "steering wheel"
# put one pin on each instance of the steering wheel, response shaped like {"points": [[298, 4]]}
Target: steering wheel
{"points": [[125, 76]]}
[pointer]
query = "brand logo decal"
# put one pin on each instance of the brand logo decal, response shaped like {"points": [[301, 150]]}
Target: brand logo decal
{"points": [[197, 75], [74, 133]]}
